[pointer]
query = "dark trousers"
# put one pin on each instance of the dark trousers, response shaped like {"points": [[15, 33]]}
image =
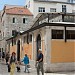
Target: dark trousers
{"points": [[18, 69], [9, 68], [6, 61], [40, 68]]}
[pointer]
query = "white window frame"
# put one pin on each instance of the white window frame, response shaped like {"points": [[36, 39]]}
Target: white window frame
{"points": [[26, 20], [52, 9], [41, 9], [14, 20]]}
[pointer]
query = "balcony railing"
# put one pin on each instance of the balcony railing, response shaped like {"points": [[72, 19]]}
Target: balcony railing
{"points": [[69, 19]]}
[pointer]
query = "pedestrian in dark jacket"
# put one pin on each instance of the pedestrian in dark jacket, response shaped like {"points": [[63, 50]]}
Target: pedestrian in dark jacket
{"points": [[7, 57], [7, 61], [26, 62]]}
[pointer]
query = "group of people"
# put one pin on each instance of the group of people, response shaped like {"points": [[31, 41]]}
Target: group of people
{"points": [[11, 62]]}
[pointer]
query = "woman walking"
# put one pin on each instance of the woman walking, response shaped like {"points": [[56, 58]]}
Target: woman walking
{"points": [[12, 63]]}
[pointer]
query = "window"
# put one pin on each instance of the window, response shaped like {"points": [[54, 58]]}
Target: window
{"points": [[57, 34], [25, 20], [71, 1], [68, 1], [63, 8], [73, 11], [3, 34], [41, 9], [29, 4], [14, 20], [14, 41], [24, 39], [30, 38], [38, 41], [27, 38], [52, 9], [70, 34]]}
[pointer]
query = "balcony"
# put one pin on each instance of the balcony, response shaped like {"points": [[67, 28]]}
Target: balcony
{"points": [[53, 18], [69, 19]]}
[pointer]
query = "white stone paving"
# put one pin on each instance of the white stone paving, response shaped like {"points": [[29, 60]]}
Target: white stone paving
{"points": [[3, 71]]}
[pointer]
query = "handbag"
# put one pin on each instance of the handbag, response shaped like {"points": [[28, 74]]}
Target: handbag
{"points": [[28, 66], [36, 65]]}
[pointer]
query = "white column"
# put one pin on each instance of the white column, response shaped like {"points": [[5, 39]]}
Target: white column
{"points": [[48, 48], [32, 45]]}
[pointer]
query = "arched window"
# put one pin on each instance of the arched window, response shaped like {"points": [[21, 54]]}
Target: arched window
{"points": [[38, 41]]}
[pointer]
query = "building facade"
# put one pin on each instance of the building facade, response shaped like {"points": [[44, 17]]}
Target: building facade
{"points": [[46, 6], [14, 19], [54, 34]]}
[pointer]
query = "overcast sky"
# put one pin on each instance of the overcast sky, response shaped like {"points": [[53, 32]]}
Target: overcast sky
{"points": [[11, 2]]}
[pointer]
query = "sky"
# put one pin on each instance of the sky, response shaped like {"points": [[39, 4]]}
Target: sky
{"points": [[11, 2]]}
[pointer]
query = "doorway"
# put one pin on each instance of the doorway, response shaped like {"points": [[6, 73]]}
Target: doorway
{"points": [[18, 50], [38, 43]]}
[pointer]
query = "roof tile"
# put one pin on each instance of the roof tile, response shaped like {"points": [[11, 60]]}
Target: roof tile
{"points": [[18, 10]]}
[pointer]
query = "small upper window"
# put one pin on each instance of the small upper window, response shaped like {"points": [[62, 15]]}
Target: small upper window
{"points": [[63, 8], [52, 9], [14, 20], [25, 20], [41, 9]]}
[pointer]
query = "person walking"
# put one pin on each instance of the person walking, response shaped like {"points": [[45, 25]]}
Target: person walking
{"points": [[40, 63], [26, 62], [3, 56], [12, 63], [7, 57]]}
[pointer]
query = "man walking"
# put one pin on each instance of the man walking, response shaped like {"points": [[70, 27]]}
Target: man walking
{"points": [[40, 63]]}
